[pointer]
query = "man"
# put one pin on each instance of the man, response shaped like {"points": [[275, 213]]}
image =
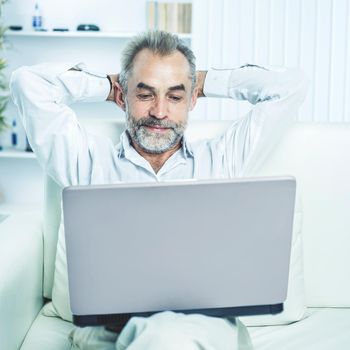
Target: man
{"points": [[157, 87]]}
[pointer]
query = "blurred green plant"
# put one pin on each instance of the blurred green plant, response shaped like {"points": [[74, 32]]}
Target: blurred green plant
{"points": [[3, 81]]}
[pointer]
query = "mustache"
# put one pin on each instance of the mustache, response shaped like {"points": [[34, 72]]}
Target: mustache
{"points": [[149, 121]]}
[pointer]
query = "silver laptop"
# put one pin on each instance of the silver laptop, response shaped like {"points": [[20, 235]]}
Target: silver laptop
{"points": [[220, 248]]}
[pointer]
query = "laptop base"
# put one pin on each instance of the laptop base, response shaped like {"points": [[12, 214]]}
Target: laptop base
{"points": [[122, 319]]}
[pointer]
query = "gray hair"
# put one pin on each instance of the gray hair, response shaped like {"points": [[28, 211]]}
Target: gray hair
{"points": [[159, 42]]}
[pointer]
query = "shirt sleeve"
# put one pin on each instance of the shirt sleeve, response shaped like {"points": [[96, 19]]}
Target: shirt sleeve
{"points": [[43, 94], [275, 95]]}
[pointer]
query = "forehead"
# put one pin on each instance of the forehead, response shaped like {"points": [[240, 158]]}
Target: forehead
{"points": [[151, 68]]}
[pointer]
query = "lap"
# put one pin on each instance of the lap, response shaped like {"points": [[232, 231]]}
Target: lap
{"points": [[166, 331]]}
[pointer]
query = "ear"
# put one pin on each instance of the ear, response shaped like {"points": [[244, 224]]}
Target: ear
{"points": [[119, 97], [194, 98]]}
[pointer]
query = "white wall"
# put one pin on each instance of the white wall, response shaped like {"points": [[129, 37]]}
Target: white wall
{"points": [[311, 34]]}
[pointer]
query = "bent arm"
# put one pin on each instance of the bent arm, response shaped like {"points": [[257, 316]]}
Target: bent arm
{"points": [[43, 94], [275, 95]]}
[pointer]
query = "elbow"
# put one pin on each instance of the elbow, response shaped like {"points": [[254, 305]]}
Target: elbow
{"points": [[19, 80]]}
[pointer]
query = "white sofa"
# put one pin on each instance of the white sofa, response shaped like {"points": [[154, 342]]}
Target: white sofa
{"points": [[316, 154]]}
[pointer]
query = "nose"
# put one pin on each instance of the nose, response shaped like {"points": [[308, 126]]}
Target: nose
{"points": [[159, 108]]}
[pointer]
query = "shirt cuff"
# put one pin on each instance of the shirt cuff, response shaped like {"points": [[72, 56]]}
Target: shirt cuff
{"points": [[98, 86], [217, 83], [97, 89]]}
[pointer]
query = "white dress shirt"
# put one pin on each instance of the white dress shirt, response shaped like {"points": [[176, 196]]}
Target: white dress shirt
{"points": [[71, 155]]}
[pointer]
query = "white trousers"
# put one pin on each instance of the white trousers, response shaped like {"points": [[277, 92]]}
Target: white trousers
{"points": [[166, 331]]}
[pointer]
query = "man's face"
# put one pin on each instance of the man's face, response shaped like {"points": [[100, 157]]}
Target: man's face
{"points": [[158, 101]]}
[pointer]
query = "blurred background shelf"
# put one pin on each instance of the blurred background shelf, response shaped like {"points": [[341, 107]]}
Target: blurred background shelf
{"points": [[78, 34], [17, 154], [21, 176]]}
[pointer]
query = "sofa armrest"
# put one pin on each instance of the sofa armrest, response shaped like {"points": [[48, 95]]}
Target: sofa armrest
{"points": [[21, 277]]}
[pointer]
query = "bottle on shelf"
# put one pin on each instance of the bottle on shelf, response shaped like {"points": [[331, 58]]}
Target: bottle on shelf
{"points": [[14, 139], [37, 19]]}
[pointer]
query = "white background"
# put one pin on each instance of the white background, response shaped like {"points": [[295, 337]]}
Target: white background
{"points": [[311, 34]]}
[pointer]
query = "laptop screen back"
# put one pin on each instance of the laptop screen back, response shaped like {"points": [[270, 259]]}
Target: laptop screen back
{"points": [[215, 247]]}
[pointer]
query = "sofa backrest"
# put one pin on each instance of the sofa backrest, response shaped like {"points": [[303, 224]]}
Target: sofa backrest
{"points": [[317, 155]]}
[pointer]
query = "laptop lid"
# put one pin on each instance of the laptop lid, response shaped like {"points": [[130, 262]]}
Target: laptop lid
{"points": [[220, 248]]}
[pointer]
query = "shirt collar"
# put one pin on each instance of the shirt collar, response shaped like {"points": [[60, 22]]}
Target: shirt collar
{"points": [[186, 148]]}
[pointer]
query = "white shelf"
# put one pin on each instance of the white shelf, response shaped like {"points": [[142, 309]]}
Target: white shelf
{"points": [[17, 154], [9, 209], [70, 34], [78, 34]]}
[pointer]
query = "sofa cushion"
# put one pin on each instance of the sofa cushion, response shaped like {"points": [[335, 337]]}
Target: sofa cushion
{"points": [[294, 307], [60, 290], [322, 329], [21, 261], [49, 333], [268, 160], [317, 155]]}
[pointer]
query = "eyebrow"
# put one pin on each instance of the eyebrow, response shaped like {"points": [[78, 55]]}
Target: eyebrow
{"points": [[177, 87], [142, 85], [145, 86]]}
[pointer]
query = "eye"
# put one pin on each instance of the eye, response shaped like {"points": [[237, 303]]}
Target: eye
{"points": [[175, 98], [145, 97]]}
